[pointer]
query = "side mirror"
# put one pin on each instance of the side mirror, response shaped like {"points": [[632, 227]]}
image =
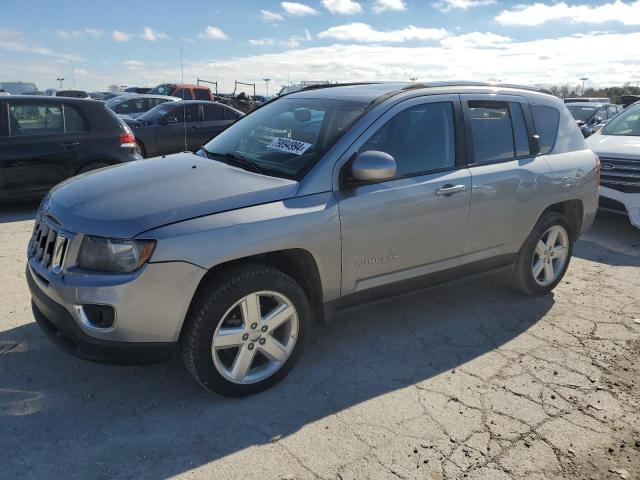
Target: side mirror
{"points": [[535, 145], [586, 131], [373, 166]]}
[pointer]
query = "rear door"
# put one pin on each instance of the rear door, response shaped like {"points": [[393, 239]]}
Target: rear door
{"points": [[37, 153], [510, 185], [407, 226]]}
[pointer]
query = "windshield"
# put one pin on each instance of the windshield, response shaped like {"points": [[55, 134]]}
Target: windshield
{"points": [[287, 136], [625, 123], [155, 114], [113, 101], [161, 90], [581, 112]]}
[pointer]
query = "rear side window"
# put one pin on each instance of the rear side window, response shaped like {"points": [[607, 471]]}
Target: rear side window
{"points": [[72, 120], [202, 94], [35, 119], [184, 94], [498, 130], [213, 112], [546, 121], [420, 139]]}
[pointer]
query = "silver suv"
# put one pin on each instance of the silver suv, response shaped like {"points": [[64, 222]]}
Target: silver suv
{"points": [[317, 200]]}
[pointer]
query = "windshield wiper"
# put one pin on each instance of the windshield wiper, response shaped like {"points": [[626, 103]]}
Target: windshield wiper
{"points": [[238, 160]]}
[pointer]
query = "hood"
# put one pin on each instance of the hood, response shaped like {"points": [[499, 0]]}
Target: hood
{"points": [[125, 200], [617, 146]]}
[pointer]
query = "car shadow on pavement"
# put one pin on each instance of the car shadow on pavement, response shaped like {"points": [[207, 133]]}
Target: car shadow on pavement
{"points": [[64, 417], [612, 240], [18, 212]]}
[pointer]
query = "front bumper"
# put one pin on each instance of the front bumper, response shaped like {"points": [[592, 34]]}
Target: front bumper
{"points": [[630, 202], [61, 327]]}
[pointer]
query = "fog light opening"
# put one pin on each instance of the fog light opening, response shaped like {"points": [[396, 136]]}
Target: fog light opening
{"points": [[97, 316]]}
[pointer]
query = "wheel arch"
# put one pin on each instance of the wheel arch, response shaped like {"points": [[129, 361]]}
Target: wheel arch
{"points": [[573, 211], [297, 263]]}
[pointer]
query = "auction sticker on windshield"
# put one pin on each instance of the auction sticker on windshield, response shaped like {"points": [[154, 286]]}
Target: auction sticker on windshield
{"points": [[290, 146]]}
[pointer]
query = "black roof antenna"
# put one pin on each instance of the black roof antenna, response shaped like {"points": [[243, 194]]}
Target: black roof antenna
{"points": [[184, 106]]}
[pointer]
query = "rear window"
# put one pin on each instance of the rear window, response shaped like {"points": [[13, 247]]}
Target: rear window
{"points": [[35, 119], [546, 121], [72, 120], [202, 94]]}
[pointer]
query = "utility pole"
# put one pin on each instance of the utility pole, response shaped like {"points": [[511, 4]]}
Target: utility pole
{"points": [[413, 79], [584, 79], [73, 76], [266, 81], [60, 79]]}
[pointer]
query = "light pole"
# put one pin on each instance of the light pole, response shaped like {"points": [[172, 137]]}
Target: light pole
{"points": [[584, 79], [266, 81], [60, 79], [413, 79]]}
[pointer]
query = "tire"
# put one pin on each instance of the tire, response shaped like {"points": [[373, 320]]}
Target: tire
{"points": [[216, 316], [527, 262], [92, 166], [140, 145]]}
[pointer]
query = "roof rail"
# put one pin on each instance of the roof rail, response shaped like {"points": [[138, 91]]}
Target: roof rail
{"points": [[463, 83]]}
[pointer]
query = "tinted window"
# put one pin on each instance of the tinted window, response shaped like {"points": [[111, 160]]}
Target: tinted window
{"points": [[546, 121], [35, 119], [420, 138], [230, 114], [189, 113], [202, 94], [184, 94], [492, 131], [520, 134], [627, 123], [213, 112], [612, 111], [72, 120]]}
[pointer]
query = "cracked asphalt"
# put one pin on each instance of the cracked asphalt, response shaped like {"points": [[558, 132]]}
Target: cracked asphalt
{"points": [[465, 380]]}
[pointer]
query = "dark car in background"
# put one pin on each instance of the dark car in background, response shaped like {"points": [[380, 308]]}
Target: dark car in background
{"points": [[166, 128], [72, 94], [592, 114], [137, 89], [19, 88], [45, 140]]}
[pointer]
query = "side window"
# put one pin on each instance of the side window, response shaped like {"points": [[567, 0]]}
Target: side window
{"points": [[613, 111], [546, 121], [72, 120], [213, 112], [601, 112], [184, 94], [230, 114], [35, 119], [420, 138], [186, 113], [202, 94], [499, 131]]}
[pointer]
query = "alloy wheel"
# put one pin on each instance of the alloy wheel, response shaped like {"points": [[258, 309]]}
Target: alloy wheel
{"points": [[550, 255]]}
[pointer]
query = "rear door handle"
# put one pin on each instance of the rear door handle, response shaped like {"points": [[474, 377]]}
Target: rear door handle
{"points": [[70, 144], [449, 189]]}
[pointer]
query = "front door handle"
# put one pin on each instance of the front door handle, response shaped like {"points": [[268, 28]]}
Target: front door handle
{"points": [[449, 189]]}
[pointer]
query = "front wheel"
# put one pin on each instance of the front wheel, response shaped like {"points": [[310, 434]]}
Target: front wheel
{"points": [[545, 256], [245, 330]]}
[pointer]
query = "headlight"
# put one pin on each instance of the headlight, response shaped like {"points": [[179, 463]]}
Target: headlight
{"points": [[114, 255]]}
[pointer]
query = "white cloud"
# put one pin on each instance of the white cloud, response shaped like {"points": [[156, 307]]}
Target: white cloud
{"points": [[475, 40], [14, 41], [295, 41], [213, 33], [342, 7], [77, 34], [133, 64], [539, 13], [262, 42], [151, 35], [119, 36], [298, 9], [447, 5], [384, 5], [269, 16], [362, 32]]}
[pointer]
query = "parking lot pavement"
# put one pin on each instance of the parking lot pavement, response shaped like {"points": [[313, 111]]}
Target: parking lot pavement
{"points": [[466, 380]]}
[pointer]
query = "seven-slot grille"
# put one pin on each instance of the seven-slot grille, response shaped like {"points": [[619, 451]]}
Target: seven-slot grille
{"points": [[620, 174], [48, 246]]}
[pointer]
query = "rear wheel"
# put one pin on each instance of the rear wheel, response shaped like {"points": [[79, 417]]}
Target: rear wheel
{"points": [[245, 330], [545, 256]]}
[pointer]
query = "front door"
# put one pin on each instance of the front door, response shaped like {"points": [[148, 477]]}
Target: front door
{"points": [[416, 223], [175, 133]]}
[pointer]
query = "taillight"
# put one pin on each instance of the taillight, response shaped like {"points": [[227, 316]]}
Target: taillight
{"points": [[127, 139], [597, 169]]}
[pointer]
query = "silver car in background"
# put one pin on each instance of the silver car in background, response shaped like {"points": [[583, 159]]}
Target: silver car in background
{"points": [[618, 146], [133, 105], [323, 198]]}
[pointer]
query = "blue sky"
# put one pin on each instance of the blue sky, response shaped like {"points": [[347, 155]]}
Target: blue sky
{"points": [[343, 40]]}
